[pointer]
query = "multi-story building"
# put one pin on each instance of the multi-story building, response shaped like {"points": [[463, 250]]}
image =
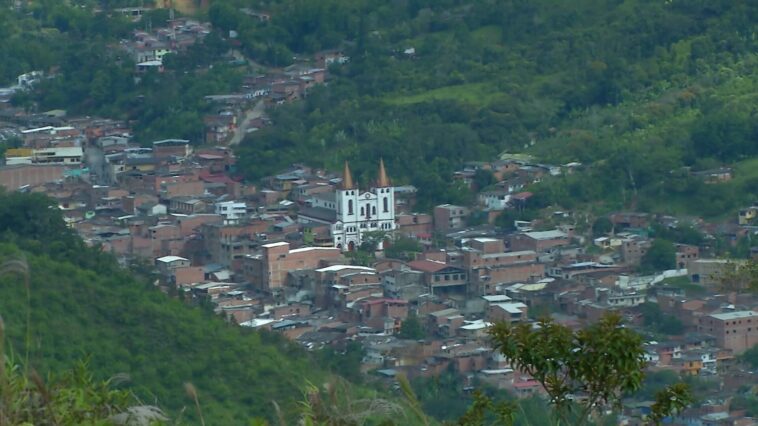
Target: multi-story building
{"points": [[268, 271], [633, 248], [488, 265], [224, 244], [448, 217], [20, 175], [440, 277], [737, 331], [686, 253], [232, 211], [69, 156], [538, 241]]}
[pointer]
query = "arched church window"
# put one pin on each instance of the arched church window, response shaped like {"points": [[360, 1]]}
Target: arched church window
{"points": [[386, 203], [349, 206], [362, 211], [373, 210]]}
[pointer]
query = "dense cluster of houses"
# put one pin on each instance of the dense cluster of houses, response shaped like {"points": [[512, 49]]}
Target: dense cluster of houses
{"points": [[148, 48], [268, 257], [280, 255]]}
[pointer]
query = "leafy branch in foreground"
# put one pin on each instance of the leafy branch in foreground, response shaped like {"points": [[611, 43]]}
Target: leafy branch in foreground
{"points": [[586, 371]]}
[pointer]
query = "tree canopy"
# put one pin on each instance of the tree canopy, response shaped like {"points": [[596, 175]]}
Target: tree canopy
{"points": [[660, 256]]}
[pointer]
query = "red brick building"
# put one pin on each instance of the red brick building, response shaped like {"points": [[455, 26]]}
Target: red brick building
{"points": [[539, 241], [268, 271], [737, 331]]}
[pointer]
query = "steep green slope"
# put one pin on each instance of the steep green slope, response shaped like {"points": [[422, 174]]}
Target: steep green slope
{"points": [[85, 306]]}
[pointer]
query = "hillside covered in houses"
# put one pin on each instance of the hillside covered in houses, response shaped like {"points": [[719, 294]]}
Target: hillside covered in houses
{"points": [[256, 197]]}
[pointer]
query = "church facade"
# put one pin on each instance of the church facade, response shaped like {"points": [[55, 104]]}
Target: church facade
{"points": [[361, 211]]}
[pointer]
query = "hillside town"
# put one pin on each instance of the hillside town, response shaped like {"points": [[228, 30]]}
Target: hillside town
{"points": [[326, 260]]}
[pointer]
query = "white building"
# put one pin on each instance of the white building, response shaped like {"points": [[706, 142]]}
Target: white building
{"points": [[351, 212], [232, 211], [359, 211], [69, 156]]}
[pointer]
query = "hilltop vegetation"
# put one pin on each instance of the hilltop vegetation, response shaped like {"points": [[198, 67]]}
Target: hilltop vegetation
{"points": [[91, 75], [84, 306], [635, 90], [641, 92]]}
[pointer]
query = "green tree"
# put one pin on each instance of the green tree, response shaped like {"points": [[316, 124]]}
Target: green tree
{"points": [[483, 178], [403, 247], [660, 322], [507, 218], [601, 362], [411, 328], [601, 226], [750, 357], [371, 240], [660, 256]]}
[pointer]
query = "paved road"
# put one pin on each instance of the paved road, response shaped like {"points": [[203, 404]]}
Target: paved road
{"points": [[251, 115]]}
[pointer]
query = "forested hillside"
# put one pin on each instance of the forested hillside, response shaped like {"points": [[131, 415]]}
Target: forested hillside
{"points": [[84, 306], [77, 44], [635, 90], [641, 92]]}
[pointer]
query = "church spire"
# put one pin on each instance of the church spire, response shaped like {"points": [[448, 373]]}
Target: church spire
{"points": [[383, 181], [347, 178]]}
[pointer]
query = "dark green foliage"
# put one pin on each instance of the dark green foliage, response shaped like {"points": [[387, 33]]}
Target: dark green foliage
{"points": [[91, 75], [601, 362], [660, 322], [634, 90], [506, 220], [476, 415], [602, 226], [483, 178], [631, 89], [750, 357], [660, 256], [411, 328], [476, 218], [749, 403], [83, 304], [346, 363], [654, 382], [442, 396], [403, 248], [672, 399], [679, 234]]}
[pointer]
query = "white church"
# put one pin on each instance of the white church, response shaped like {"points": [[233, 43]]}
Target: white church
{"points": [[357, 211]]}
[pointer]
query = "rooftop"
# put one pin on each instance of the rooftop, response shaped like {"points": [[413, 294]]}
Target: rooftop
{"points": [[734, 315], [169, 259], [337, 268], [428, 265], [546, 235], [496, 298], [512, 308], [272, 245], [304, 249]]}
